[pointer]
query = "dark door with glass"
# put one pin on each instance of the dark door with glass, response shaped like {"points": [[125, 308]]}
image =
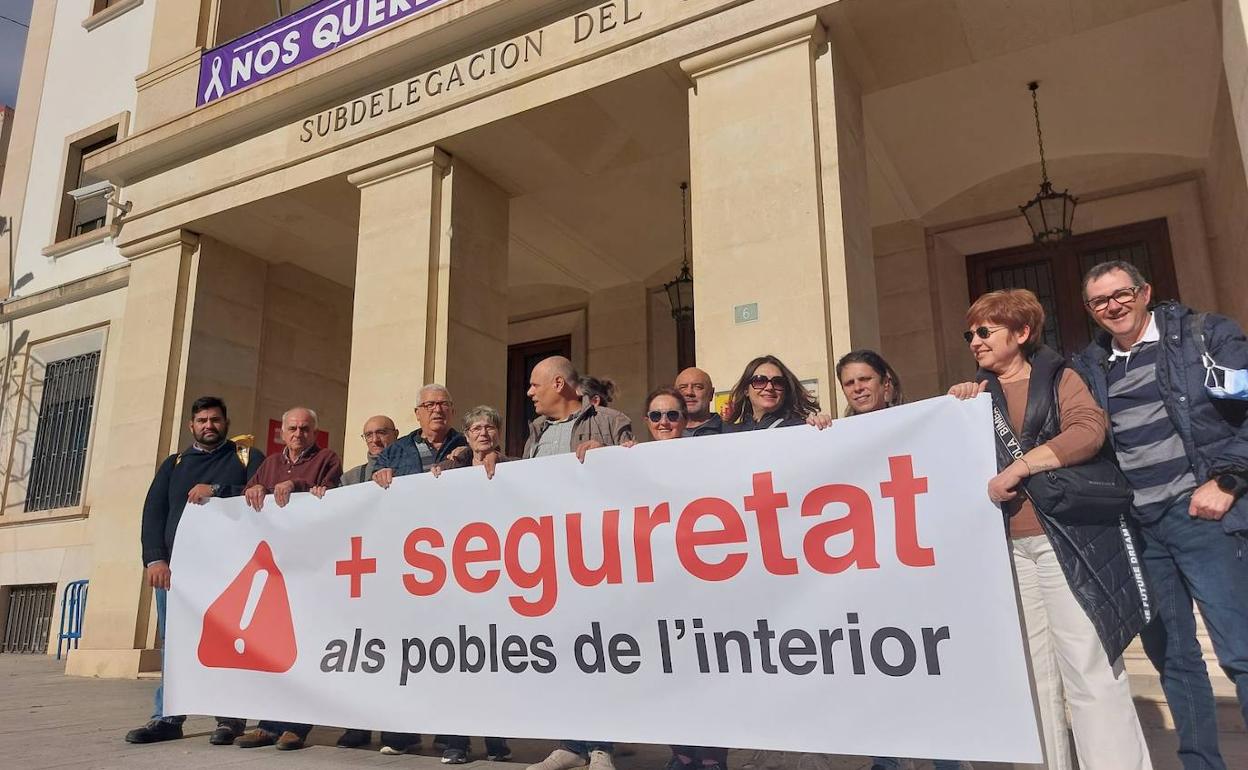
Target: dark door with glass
{"points": [[1055, 272], [520, 362]]}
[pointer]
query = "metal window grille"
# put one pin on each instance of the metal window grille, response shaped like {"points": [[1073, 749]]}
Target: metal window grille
{"points": [[1037, 276], [60, 453], [29, 620]]}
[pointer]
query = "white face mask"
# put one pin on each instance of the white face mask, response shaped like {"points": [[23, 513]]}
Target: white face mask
{"points": [[1234, 382]]}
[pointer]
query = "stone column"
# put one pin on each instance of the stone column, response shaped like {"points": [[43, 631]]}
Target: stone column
{"points": [[784, 224], [430, 289], [142, 429]]}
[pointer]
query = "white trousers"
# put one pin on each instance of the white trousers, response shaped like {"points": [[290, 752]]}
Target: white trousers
{"points": [[1066, 654]]}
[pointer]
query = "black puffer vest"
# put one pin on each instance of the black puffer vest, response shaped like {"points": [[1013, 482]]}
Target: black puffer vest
{"points": [[1096, 559]]}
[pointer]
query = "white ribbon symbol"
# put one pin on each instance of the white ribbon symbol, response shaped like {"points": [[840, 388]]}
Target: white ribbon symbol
{"points": [[215, 85]]}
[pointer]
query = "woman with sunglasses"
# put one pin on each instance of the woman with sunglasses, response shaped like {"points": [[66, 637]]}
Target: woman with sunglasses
{"points": [[666, 418], [1080, 602], [769, 395]]}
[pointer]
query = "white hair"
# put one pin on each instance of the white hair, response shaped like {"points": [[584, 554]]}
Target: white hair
{"points": [[434, 386], [311, 413]]}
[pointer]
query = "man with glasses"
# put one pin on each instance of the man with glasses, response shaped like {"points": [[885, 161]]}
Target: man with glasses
{"points": [[379, 433], [435, 442], [1185, 452]]}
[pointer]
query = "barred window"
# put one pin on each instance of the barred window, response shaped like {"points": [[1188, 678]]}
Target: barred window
{"points": [[60, 452]]}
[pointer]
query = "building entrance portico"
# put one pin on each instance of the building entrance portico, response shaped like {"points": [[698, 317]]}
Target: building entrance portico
{"points": [[489, 174]]}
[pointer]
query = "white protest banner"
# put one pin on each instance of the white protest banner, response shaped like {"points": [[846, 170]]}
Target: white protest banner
{"points": [[844, 591]]}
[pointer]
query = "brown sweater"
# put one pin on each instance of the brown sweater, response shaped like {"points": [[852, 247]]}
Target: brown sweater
{"points": [[316, 467], [1083, 432]]}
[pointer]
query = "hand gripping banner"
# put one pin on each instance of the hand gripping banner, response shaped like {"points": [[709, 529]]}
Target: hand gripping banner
{"points": [[845, 591]]}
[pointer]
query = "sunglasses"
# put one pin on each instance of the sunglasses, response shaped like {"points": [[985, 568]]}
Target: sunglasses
{"points": [[983, 332], [760, 381], [672, 415]]}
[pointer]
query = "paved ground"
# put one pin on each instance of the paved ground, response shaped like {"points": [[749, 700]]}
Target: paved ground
{"points": [[48, 720]]}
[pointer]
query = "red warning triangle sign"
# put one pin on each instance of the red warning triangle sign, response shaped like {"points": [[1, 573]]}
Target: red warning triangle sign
{"points": [[249, 625]]}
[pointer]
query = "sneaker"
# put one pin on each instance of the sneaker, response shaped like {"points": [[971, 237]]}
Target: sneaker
{"points": [[394, 751], [155, 731], [289, 741], [560, 759], [254, 739], [224, 735], [454, 757], [400, 743], [600, 760], [353, 739], [497, 750]]}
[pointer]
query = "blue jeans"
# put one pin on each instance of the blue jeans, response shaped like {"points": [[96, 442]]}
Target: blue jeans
{"points": [[1190, 559], [892, 763], [158, 704]]}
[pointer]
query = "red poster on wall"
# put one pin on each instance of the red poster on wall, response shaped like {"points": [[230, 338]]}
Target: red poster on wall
{"points": [[276, 444]]}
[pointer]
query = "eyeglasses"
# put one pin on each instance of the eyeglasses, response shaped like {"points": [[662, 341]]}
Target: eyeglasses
{"points": [[672, 415], [481, 427], [1124, 296], [760, 381], [372, 434], [431, 405], [983, 332]]}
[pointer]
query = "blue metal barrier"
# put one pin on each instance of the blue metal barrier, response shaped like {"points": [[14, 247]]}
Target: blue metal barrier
{"points": [[73, 607]]}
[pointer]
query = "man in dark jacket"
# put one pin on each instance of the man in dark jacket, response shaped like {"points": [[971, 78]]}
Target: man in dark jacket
{"points": [[435, 442], [1186, 455], [212, 466]]}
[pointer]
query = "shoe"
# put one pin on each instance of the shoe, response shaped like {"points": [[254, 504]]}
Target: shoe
{"points": [[155, 731], [254, 739], [454, 757], [353, 739], [560, 759], [497, 750], [394, 751], [600, 760], [289, 742], [224, 735]]}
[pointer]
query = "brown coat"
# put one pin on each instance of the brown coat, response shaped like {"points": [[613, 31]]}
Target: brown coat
{"points": [[599, 423]]}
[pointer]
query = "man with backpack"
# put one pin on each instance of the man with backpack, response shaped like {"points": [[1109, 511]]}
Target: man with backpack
{"points": [[212, 466]]}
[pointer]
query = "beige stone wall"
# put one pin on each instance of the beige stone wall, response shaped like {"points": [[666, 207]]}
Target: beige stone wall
{"points": [[617, 346], [1226, 212], [908, 326], [305, 352]]}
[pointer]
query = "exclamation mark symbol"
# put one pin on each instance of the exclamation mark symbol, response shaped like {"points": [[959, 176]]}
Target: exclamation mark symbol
{"points": [[249, 609]]}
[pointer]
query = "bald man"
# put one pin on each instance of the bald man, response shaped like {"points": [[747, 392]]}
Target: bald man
{"points": [[566, 422], [379, 433], [696, 388]]}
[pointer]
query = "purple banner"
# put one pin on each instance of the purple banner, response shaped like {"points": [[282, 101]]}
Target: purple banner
{"points": [[294, 39]]}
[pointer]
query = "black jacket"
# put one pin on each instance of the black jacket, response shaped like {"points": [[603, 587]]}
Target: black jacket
{"points": [[772, 420], [166, 497], [1096, 559], [1214, 432]]}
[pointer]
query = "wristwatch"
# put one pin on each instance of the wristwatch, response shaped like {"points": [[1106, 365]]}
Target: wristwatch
{"points": [[216, 490], [1232, 483]]}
